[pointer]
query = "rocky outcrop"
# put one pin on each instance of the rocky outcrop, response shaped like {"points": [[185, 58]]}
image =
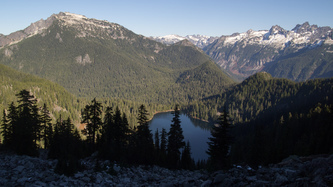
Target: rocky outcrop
{"points": [[35, 28], [294, 171]]}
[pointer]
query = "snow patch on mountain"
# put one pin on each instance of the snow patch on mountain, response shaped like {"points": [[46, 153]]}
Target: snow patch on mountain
{"points": [[200, 41]]}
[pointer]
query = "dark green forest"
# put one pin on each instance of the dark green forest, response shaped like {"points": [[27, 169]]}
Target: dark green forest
{"points": [[285, 118], [25, 129]]}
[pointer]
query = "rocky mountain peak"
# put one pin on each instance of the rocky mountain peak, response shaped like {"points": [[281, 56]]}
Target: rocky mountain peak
{"points": [[305, 27], [276, 29], [33, 29]]}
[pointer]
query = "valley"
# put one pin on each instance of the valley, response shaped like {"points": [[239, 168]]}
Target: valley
{"points": [[276, 85]]}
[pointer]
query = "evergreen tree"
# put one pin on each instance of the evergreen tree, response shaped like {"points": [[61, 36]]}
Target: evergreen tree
{"points": [[5, 129], [186, 159], [91, 116], [66, 147], [219, 145], [46, 129], [157, 140], [175, 140], [163, 148], [118, 135], [106, 131], [144, 139], [27, 128], [164, 141], [12, 118]]}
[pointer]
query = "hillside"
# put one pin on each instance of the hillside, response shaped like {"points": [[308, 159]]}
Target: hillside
{"points": [[262, 96], [58, 100], [93, 58]]}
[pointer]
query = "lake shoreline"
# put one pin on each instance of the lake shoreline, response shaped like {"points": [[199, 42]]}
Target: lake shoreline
{"points": [[166, 111]]}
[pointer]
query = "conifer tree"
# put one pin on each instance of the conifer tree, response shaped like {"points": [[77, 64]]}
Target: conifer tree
{"points": [[164, 141], [220, 142], [163, 148], [175, 140], [144, 139], [186, 159], [27, 127], [157, 140], [91, 116], [46, 129], [12, 118], [5, 129], [106, 133]]}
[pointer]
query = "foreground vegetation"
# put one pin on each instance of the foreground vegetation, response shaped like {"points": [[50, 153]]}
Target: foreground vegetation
{"points": [[25, 129]]}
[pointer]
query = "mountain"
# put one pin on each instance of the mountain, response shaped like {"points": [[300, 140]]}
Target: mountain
{"points": [[200, 41], [94, 58], [58, 100], [303, 53]]}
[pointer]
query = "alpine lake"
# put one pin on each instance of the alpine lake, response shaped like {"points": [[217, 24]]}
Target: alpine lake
{"points": [[195, 131]]}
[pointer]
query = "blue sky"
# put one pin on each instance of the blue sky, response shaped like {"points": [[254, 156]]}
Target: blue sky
{"points": [[182, 17]]}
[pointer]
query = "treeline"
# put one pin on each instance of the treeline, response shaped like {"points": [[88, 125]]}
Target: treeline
{"points": [[264, 141], [260, 95], [26, 128]]}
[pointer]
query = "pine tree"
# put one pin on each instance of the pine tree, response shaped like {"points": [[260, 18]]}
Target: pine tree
{"points": [[175, 140], [144, 139], [157, 140], [26, 131], [164, 141], [186, 159], [45, 120], [91, 116], [106, 133], [12, 122], [219, 145], [6, 130], [163, 148]]}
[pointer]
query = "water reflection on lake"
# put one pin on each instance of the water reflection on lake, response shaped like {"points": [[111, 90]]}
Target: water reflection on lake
{"points": [[195, 131]]}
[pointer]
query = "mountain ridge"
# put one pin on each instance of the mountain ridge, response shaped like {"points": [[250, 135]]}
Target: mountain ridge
{"points": [[94, 58], [243, 54]]}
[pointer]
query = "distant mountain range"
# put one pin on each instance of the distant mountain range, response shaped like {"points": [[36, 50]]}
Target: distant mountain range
{"points": [[80, 53], [303, 53], [200, 41], [94, 58]]}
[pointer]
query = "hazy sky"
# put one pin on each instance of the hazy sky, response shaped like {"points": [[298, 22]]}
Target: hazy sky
{"points": [[159, 18]]}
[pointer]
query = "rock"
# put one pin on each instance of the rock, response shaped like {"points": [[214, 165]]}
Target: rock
{"points": [[19, 169], [280, 179], [116, 168], [79, 175], [50, 178], [23, 180], [85, 179], [206, 183], [219, 178]]}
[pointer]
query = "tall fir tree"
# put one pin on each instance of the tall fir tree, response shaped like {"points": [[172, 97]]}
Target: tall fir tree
{"points": [[12, 118], [5, 129], [144, 139], [186, 160], [27, 128], [163, 148], [91, 116], [220, 142], [175, 140], [46, 126]]}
